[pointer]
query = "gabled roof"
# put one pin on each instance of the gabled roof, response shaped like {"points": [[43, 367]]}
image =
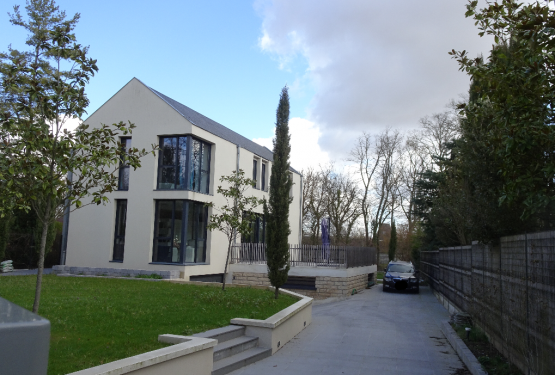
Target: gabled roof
{"points": [[214, 127]]}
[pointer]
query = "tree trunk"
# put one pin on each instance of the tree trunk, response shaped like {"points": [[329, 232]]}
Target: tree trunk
{"points": [[45, 222], [226, 262], [277, 293]]}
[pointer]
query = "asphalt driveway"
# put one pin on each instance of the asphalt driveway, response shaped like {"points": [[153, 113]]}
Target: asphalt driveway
{"points": [[368, 333]]}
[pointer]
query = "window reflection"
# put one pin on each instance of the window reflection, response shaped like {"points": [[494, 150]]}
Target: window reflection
{"points": [[180, 232], [184, 164], [123, 181]]}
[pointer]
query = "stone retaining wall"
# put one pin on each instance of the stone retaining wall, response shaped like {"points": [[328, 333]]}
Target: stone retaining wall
{"points": [[117, 272], [326, 286]]}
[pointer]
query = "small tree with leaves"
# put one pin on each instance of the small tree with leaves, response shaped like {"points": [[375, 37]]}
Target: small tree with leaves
{"points": [[236, 215], [277, 211], [40, 90]]}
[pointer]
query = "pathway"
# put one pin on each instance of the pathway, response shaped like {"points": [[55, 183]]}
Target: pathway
{"points": [[369, 333]]}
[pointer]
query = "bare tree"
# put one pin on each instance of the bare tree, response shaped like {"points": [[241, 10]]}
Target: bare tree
{"points": [[437, 131], [386, 185], [342, 202], [414, 161], [368, 156], [314, 203]]}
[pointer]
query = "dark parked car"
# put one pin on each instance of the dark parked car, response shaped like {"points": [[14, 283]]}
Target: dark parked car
{"points": [[400, 276]]}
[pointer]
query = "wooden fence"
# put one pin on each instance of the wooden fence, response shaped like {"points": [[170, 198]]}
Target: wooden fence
{"points": [[508, 289], [308, 255]]}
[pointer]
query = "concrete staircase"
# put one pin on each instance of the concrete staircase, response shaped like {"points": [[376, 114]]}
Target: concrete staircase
{"points": [[234, 349]]}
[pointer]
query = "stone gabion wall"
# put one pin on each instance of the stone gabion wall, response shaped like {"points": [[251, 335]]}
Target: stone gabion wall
{"points": [[113, 272], [325, 286], [249, 278]]}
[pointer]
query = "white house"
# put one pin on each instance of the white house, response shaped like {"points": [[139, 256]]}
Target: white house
{"points": [[157, 219]]}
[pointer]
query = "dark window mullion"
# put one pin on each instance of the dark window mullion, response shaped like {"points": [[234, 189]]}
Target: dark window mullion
{"points": [[195, 229], [172, 228], [208, 173], [183, 245], [189, 162]]}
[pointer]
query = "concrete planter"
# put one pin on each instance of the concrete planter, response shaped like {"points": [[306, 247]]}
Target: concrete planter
{"points": [[278, 329], [191, 356]]}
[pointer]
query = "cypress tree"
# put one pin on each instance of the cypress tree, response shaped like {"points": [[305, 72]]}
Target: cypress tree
{"points": [[277, 210], [392, 241], [4, 235]]}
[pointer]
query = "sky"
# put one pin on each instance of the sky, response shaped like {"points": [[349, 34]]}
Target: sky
{"points": [[350, 65]]}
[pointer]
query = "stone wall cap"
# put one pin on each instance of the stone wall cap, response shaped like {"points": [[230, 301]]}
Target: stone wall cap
{"points": [[188, 345], [280, 317]]}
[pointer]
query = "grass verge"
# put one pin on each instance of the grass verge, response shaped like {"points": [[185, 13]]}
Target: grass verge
{"points": [[96, 320], [493, 362]]}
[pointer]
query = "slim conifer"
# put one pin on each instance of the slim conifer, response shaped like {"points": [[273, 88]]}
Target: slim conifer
{"points": [[393, 241], [277, 210]]}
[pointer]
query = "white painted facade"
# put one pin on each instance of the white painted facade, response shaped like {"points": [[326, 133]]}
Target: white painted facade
{"points": [[92, 228]]}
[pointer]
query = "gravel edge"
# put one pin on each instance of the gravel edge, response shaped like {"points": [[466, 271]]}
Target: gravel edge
{"points": [[462, 350]]}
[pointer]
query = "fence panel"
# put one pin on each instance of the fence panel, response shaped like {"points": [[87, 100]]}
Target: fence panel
{"points": [[308, 255], [509, 289]]}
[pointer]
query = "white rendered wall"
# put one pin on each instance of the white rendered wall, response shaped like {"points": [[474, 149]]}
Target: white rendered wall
{"points": [[91, 228]]}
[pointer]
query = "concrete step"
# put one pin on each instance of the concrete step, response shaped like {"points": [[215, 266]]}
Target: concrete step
{"points": [[234, 346], [240, 360], [223, 334]]}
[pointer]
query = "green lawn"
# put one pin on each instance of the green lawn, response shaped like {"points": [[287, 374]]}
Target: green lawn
{"points": [[97, 320]]}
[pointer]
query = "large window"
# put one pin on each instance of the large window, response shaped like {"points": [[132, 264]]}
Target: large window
{"points": [[123, 181], [255, 173], [184, 164], [180, 232], [263, 184], [119, 235], [258, 230]]}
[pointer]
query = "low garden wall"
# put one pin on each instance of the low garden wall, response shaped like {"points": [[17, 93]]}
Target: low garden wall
{"points": [[280, 328], [113, 272], [192, 356], [329, 282]]}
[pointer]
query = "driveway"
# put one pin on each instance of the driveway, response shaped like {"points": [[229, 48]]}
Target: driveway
{"points": [[368, 333]]}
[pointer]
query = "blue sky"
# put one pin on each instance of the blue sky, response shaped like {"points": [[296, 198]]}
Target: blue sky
{"points": [[353, 66], [203, 54]]}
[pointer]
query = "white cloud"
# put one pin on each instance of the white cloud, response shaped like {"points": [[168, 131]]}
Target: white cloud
{"points": [[305, 150], [371, 64]]}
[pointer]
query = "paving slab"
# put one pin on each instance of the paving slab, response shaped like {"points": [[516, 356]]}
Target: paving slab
{"points": [[369, 333]]}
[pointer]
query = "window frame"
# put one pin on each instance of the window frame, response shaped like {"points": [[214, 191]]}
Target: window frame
{"points": [[188, 167], [255, 172], [187, 205], [255, 234], [122, 165], [263, 175], [116, 231]]}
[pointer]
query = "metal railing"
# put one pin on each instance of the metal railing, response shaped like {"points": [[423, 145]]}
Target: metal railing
{"points": [[308, 255]]}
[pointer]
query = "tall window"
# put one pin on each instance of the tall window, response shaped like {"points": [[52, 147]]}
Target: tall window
{"points": [[180, 232], [258, 230], [184, 164], [263, 178], [119, 235], [254, 172], [123, 182]]}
